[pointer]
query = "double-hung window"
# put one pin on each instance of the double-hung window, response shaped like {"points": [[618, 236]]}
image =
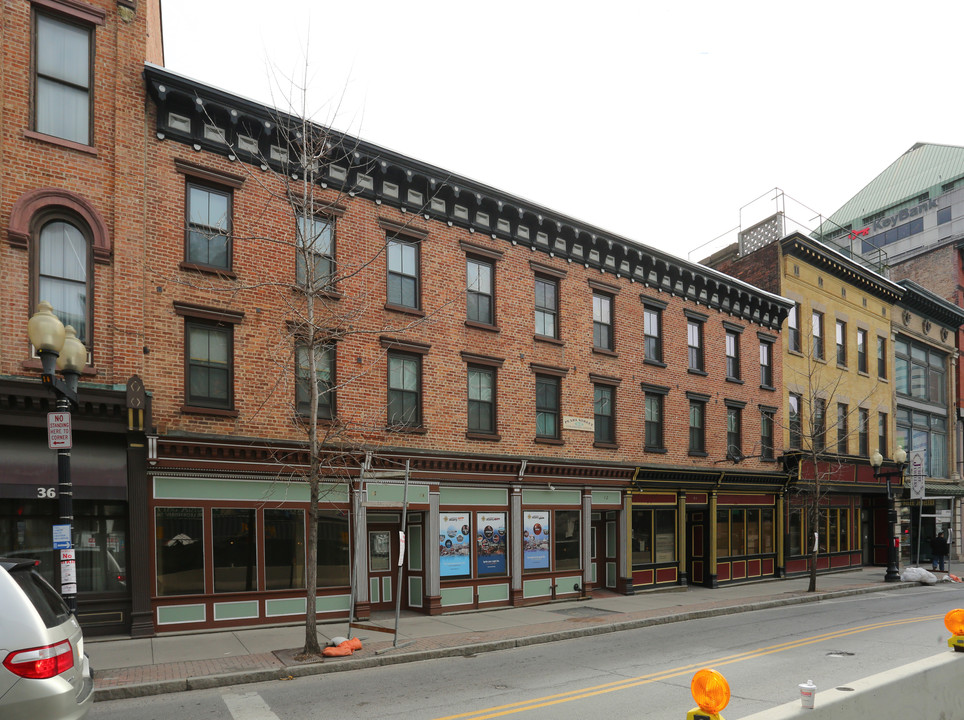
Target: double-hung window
{"points": [[819, 433], [208, 226], [861, 350], [63, 73], [403, 274], [766, 432], [734, 430], [404, 390], [547, 406], [795, 424], [324, 379], [843, 443], [62, 274], [732, 355], [766, 364], [654, 408], [841, 337], [481, 399], [315, 253], [652, 334], [602, 321], [816, 319], [793, 328], [210, 364], [882, 358], [479, 291], [883, 420], [547, 307], [604, 413], [694, 345], [863, 432], [697, 424]]}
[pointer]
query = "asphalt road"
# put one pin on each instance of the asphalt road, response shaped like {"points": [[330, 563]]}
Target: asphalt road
{"points": [[640, 673]]}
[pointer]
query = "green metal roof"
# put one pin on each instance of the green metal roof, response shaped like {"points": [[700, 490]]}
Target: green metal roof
{"points": [[925, 168]]}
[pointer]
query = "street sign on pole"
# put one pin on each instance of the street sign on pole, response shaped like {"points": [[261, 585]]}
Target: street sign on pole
{"points": [[918, 461], [58, 430]]}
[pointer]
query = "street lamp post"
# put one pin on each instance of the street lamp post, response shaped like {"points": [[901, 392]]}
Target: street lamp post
{"points": [[900, 458], [60, 349]]}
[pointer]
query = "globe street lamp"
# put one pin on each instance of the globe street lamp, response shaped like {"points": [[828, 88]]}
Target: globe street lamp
{"points": [[60, 349], [900, 458]]}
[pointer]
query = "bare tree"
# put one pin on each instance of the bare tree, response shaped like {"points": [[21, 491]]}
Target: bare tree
{"points": [[310, 307]]}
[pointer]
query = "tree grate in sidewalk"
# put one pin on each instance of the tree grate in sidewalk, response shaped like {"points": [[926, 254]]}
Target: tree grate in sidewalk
{"points": [[583, 611]]}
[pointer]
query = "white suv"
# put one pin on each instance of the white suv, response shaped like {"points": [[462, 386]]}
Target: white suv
{"points": [[44, 672]]}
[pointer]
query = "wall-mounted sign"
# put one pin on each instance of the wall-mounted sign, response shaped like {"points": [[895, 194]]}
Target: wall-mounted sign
{"points": [[576, 423]]}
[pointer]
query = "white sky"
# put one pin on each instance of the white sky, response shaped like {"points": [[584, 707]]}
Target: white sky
{"points": [[654, 120]]}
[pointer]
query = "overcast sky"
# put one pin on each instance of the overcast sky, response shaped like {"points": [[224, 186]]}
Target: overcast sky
{"points": [[656, 121]]}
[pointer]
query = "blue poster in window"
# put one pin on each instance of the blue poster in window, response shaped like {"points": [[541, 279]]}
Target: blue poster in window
{"points": [[455, 551], [490, 543], [535, 540]]}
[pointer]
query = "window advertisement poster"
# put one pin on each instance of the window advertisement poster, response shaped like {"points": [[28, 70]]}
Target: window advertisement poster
{"points": [[455, 551], [535, 540], [490, 543]]}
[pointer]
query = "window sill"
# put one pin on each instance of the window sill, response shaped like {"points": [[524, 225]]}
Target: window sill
{"points": [[198, 410], [548, 340], [843, 367], [475, 324], [697, 453], [208, 270], [606, 445], [406, 310], [89, 371], [306, 418], [735, 381], [549, 441], [486, 437], [420, 430], [798, 353], [768, 387], [604, 351], [701, 373], [654, 363], [61, 142], [863, 373], [660, 450]]}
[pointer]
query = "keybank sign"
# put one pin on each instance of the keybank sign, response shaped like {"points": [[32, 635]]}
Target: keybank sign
{"points": [[905, 214]]}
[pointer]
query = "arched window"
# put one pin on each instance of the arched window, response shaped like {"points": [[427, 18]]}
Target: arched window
{"points": [[63, 273]]}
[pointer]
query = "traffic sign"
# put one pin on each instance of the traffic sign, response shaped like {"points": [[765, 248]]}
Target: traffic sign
{"points": [[61, 537], [58, 431], [918, 460]]}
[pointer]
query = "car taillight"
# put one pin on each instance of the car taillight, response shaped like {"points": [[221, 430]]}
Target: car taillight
{"points": [[42, 662]]}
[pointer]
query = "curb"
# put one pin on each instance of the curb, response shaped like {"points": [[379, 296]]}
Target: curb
{"points": [[204, 682]]}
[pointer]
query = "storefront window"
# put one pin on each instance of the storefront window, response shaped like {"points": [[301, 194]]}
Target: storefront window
{"points": [[490, 543], [766, 531], [737, 532], [796, 531], [535, 540], [833, 525], [665, 536], [179, 552], [284, 549], [334, 556], [379, 550], [642, 537], [235, 550], [567, 540], [455, 549], [100, 541], [753, 531], [722, 533]]}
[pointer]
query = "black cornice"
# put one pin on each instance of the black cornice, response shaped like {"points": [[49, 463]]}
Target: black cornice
{"points": [[924, 302], [362, 169], [831, 261]]}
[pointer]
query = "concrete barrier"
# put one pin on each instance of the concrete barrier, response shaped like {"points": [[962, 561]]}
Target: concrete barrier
{"points": [[930, 688]]}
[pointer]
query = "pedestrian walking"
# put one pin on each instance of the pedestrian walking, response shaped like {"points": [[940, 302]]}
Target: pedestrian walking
{"points": [[939, 550]]}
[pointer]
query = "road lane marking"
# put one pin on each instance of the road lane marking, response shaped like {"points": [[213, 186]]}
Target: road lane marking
{"points": [[248, 706], [627, 683]]}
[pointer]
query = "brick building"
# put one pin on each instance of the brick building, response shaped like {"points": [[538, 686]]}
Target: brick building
{"points": [[551, 408], [838, 384]]}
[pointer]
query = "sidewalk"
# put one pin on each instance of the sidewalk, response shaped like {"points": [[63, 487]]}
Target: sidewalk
{"points": [[126, 668]]}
